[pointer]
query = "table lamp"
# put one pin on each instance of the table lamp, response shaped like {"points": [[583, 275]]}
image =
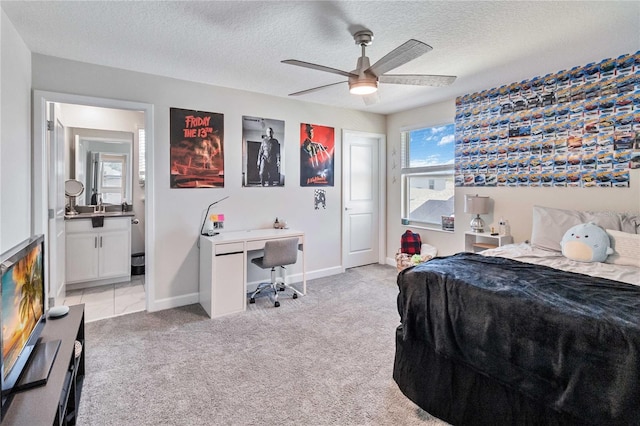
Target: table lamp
{"points": [[477, 205]]}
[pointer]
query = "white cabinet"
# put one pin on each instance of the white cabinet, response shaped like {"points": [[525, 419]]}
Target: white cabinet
{"points": [[478, 241], [99, 255], [222, 277]]}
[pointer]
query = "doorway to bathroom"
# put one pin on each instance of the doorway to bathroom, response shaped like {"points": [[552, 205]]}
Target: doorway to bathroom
{"points": [[65, 128]]}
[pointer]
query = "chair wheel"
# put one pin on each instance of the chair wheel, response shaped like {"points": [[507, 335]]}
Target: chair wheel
{"points": [[295, 295], [252, 300], [276, 304]]}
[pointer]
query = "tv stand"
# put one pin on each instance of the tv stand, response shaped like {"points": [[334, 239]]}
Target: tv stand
{"points": [[56, 402]]}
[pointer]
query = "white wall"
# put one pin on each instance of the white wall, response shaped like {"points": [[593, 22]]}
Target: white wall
{"points": [[15, 137], [179, 212], [514, 204]]}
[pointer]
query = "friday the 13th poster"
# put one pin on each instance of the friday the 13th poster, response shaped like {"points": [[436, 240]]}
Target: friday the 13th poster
{"points": [[197, 155]]}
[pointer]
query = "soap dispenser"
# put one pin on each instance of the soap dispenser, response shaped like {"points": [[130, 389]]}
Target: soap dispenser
{"points": [[276, 224]]}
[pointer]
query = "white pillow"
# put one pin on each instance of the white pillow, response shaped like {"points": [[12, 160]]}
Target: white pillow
{"points": [[550, 224], [626, 248]]}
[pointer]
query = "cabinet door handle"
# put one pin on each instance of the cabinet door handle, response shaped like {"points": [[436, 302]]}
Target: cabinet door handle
{"points": [[95, 242], [101, 241]]}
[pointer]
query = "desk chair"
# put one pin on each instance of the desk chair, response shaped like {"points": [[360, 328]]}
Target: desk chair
{"points": [[280, 253]]}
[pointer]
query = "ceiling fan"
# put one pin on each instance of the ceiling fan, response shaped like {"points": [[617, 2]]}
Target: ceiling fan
{"points": [[365, 78]]}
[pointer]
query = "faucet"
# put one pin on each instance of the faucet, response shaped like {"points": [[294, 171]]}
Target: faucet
{"points": [[100, 207]]}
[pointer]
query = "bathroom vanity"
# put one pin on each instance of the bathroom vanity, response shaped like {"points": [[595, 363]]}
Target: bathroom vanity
{"points": [[98, 249]]}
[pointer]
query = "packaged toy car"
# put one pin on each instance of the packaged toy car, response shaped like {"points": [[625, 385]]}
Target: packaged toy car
{"points": [[560, 163], [620, 178], [603, 178], [588, 144], [559, 179], [523, 179], [621, 159], [623, 122], [591, 108], [605, 142], [623, 141], [534, 179], [588, 161], [588, 179], [577, 76], [574, 179], [607, 68], [624, 65], [624, 104], [605, 124], [560, 146], [550, 83], [563, 79], [607, 105], [592, 72]]}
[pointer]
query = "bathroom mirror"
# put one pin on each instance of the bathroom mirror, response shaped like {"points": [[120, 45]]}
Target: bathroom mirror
{"points": [[103, 166], [72, 189]]}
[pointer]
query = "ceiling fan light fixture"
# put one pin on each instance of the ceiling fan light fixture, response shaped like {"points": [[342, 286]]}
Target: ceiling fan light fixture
{"points": [[363, 87]]}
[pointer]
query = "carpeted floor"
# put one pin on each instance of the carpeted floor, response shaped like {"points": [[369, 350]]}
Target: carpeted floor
{"points": [[322, 359]]}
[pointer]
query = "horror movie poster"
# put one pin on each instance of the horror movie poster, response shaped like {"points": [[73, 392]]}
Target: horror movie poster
{"points": [[197, 156], [262, 151], [316, 155]]}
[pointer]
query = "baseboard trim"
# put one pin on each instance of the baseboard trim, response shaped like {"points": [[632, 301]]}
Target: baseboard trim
{"points": [[173, 302], [297, 278], [190, 299]]}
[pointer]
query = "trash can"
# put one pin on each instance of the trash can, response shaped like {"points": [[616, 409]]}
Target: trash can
{"points": [[137, 264]]}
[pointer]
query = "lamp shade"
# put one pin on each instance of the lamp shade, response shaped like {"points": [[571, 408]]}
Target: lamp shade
{"points": [[476, 204]]}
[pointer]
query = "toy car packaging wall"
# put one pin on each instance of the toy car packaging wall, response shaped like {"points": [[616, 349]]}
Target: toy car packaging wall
{"points": [[576, 128]]}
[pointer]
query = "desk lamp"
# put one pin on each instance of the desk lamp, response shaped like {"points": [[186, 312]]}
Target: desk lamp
{"points": [[206, 216], [477, 205]]}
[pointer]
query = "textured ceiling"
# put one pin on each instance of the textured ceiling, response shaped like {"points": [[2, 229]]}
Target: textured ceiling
{"points": [[240, 44]]}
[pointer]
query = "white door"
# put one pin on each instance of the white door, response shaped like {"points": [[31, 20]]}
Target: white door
{"points": [[56, 205], [361, 234]]}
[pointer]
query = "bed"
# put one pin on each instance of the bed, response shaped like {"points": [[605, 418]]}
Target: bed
{"points": [[517, 335]]}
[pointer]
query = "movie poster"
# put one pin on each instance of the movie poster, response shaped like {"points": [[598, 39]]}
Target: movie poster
{"points": [[316, 155], [197, 155], [262, 151]]}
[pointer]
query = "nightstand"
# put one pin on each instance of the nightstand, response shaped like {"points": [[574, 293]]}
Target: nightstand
{"points": [[478, 241]]}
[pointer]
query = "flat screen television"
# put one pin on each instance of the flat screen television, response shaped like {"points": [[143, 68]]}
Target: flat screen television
{"points": [[23, 308]]}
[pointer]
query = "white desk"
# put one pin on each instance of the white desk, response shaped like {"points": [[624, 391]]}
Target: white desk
{"points": [[223, 267]]}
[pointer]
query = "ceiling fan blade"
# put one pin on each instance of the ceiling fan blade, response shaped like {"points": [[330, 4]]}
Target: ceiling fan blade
{"points": [[318, 67], [418, 79], [304, 92], [371, 99], [399, 56]]}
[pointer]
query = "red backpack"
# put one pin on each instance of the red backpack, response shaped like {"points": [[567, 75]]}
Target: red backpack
{"points": [[410, 243]]}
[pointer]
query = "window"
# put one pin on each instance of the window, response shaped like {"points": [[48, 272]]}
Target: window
{"points": [[112, 174], [141, 156], [427, 174]]}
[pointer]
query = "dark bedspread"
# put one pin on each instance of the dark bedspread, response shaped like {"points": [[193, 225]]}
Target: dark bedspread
{"points": [[569, 341]]}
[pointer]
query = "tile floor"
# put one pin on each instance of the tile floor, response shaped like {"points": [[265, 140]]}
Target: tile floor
{"points": [[111, 300]]}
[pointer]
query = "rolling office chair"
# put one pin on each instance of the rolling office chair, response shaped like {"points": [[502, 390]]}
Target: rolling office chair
{"points": [[277, 253]]}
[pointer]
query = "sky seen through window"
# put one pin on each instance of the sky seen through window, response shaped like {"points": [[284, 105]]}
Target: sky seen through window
{"points": [[432, 146]]}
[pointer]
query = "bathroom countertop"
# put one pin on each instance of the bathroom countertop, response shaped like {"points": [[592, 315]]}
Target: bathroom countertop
{"points": [[90, 215]]}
